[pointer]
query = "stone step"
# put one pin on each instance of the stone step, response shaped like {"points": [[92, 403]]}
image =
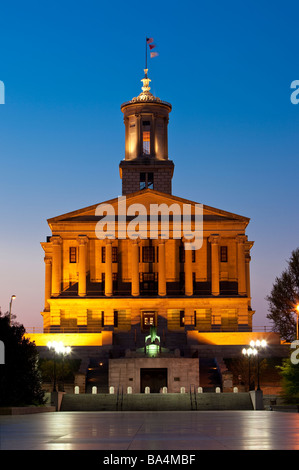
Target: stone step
{"points": [[156, 402]]}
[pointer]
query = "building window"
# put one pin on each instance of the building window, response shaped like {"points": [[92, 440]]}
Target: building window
{"points": [[182, 317], [146, 137], [182, 254], [150, 181], [146, 181], [148, 254], [148, 320], [223, 254], [73, 254], [146, 142], [115, 319], [114, 254], [148, 282], [142, 183]]}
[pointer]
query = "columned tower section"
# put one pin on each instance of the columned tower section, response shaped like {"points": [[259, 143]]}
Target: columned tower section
{"points": [[146, 164]]}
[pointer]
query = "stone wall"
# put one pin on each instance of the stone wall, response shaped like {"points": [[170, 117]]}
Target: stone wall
{"points": [[181, 372]]}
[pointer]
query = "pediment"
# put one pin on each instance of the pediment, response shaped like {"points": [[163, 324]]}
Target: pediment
{"points": [[147, 198]]}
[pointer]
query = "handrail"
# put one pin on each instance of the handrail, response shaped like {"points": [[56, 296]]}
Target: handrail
{"points": [[194, 395], [120, 397]]}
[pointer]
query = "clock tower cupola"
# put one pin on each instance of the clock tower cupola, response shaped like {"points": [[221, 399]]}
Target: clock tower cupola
{"points": [[146, 164]]}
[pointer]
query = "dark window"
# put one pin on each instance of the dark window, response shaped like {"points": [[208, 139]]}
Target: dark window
{"points": [[150, 180], [146, 181], [103, 254], [114, 254], [223, 254], [148, 254], [142, 184], [148, 282], [73, 254], [182, 254], [115, 322]]}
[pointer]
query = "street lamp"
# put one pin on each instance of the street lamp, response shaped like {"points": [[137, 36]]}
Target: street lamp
{"points": [[10, 303], [249, 352], [258, 345], [57, 348]]}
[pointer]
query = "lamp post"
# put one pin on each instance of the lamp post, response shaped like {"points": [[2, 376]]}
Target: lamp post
{"points": [[65, 352], [258, 345], [249, 352], [57, 348], [10, 304]]}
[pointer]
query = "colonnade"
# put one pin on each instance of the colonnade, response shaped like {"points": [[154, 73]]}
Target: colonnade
{"points": [[53, 267]]}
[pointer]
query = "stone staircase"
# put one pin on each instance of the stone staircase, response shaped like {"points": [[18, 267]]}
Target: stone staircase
{"points": [[157, 402]]}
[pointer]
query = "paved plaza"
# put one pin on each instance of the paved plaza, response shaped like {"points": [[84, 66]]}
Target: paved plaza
{"points": [[194, 430]]}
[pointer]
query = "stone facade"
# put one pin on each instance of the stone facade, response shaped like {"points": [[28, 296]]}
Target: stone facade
{"points": [[122, 288], [177, 374]]}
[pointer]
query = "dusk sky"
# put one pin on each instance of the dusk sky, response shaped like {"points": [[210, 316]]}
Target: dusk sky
{"points": [[226, 68]]}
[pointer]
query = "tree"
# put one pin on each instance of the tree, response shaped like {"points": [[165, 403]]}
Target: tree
{"points": [[290, 381], [284, 298], [20, 379], [65, 370]]}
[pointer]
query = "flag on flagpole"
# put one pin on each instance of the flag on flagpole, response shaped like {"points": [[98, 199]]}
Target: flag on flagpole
{"points": [[149, 43]]}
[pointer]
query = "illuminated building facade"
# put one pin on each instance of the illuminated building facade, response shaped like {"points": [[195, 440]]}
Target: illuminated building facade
{"points": [[146, 299]]}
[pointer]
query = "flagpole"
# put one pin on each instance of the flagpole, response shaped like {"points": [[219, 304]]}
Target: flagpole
{"points": [[145, 53]]}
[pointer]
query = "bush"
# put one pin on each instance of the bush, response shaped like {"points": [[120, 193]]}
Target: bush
{"points": [[290, 381]]}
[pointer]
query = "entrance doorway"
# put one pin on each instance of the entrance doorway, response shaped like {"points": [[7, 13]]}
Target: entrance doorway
{"points": [[156, 379]]}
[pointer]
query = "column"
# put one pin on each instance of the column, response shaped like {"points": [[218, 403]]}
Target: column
{"points": [[82, 242], [215, 275], [108, 269], [135, 268], [48, 276], [139, 143], [162, 269], [188, 270], [153, 136], [56, 265], [247, 269], [241, 239]]}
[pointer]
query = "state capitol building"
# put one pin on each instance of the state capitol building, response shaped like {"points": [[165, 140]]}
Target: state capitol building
{"points": [[147, 307]]}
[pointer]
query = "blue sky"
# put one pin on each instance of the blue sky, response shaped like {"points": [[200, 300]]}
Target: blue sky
{"points": [[226, 68]]}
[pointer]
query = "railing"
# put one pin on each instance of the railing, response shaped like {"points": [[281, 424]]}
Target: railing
{"points": [[265, 328], [59, 329], [189, 322]]}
